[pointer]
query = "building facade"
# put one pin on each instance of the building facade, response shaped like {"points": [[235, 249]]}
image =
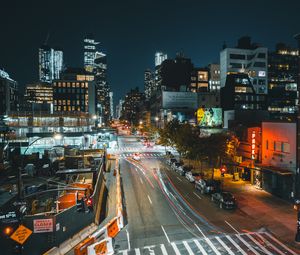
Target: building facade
{"points": [[39, 96], [89, 53], [50, 63], [214, 77], [160, 57], [283, 66], [246, 58], [148, 83], [8, 94], [199, 80], [75, 92]]}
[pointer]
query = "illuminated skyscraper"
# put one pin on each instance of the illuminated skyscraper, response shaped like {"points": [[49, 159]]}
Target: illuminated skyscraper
{"points": [[148, 83], [50, 63], [160, 57], [89, 52]]}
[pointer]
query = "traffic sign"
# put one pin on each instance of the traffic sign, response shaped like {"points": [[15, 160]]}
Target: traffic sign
{"points": [[21, 234], [101, 248]]}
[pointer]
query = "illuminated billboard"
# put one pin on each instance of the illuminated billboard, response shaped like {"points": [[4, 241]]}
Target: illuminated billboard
{"points": [[209, 117]]}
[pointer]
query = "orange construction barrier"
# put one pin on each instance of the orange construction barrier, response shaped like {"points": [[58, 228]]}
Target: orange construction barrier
{"points": [[81, 248]]}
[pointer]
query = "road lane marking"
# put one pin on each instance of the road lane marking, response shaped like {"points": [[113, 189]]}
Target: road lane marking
{"points": [[212, 246], [258, 244], [231, 227], [269, 244], [165, 233], [200, 247], [128, 240], [186, 245], [224, 245], [247, 244], [137, 251], [200, 230], [150, 200], [178, 178], [177, 252], [280, 243], [124, 252], [163, 249], [141, 180], [236, 245], [197, 195]]}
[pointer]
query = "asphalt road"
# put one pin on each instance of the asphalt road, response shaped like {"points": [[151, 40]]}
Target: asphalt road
{"points": [[166, 215]]}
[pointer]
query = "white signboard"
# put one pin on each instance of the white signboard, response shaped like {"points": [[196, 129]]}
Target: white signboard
{"points": [[43, 225], [171, 100]]}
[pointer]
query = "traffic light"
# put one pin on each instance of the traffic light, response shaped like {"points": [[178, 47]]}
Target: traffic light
{"points": [[223, 170]]}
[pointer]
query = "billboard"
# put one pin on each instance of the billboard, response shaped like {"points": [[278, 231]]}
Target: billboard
{"points": [[209, 117], [175, 100]]}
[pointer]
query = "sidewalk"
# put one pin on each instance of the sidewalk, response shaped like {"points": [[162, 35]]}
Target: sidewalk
{"points": [[273, 213]]}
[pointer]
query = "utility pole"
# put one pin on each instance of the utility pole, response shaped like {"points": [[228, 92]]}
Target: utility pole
{"points": [[297, 176]]}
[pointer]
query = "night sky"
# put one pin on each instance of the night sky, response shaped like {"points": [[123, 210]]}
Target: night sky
{"points": [[130, 32]]}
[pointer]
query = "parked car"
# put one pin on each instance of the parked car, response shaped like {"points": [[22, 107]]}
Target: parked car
{"points": [[170, 161], [183, 169], [225, 200], [192, 177], [176, 165], [208, 186]]}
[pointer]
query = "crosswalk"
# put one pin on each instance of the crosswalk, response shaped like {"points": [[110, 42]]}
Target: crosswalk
{"points": [[258, 243], [142, 155]]}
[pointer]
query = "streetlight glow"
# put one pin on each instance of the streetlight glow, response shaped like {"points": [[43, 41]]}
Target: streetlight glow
{"points": [[57, 136]]}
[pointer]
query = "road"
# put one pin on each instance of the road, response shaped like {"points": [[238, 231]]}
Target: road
{"points": [[166, 215]]}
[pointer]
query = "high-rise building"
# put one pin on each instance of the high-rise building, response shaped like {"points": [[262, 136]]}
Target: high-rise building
{"points": [[96, 63], [246, 58], [160, 57], [174, 74], [89, 52], [119, 109], [214, 79], [75, 92], [148, 83], [131, 110], [283, 74], [111, 100], [50, 63], [8, 94]]}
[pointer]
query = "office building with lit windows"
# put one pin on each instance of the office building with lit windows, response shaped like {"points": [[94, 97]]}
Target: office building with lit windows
{"points": [[199, 80], [283, 76], [50, 63], [39, 96], [214, 77], [148, 83], [247, 58], [75, 92], [160, 57], [89, 48]]}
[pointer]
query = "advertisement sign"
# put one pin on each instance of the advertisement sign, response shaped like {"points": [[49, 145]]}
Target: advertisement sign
{"points": [[175, 100], [209, 117], [43, 225]]}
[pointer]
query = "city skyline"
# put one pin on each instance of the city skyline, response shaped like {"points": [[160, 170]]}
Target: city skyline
{"points": [[130, 38]]}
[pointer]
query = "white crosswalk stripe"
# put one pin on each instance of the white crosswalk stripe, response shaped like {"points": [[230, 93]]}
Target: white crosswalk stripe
{"points": [[245, 243]]}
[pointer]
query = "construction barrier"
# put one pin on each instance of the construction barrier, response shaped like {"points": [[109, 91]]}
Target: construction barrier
{"points": [[90, 246], [82, 248], [103, 247]]}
